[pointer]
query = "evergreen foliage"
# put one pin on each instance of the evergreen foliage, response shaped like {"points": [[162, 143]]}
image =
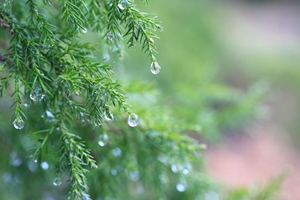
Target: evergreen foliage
{"points": [[82, 136]]}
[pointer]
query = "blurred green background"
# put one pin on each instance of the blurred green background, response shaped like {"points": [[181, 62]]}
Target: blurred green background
{"points": [[238, 43]]}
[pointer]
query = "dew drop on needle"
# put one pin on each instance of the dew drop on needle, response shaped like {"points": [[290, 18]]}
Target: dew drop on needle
{"points": [[133, 120], [37, 94], [57, 181], [18, 123], [155, 67]]}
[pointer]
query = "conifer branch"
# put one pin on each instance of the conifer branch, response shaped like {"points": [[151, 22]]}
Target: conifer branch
{"points": [[73, 156], [51, 62], [72, 13], [141, 27]]}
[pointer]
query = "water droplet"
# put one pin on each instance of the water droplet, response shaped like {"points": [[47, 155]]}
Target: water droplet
{"points": [[185, 171], [117, 152], [113, 172], [57, 128], [110, 36], [94, 166], [98, 123], [15, 159], [180, 187], [57, 181], [84, 30], [134, 175], [108, 115], [151, 40], [37, 94], [103, 140], [45, 165], [26, 105], [85, 196], [155, 68], [187, 168], [49, 114], [123, 4], [133, 120], [82, 118], [19, 123], [174, 168], [32, 166], [35, 160]]}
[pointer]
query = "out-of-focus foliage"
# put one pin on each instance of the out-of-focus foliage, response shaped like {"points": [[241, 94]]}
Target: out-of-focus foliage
{"points": [[190, 70], [269, 191], [267, 49]]}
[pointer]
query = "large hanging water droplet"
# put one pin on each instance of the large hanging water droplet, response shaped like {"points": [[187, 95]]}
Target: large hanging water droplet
{"points": [[103, 140], [180, 187], [37, 94], [155, 68], [108, 115], [18, 123], [57, 181], [133, 120], [123, 4], [45, 165]]}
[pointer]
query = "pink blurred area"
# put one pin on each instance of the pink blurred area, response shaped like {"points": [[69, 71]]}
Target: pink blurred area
{"points": [[255, 158]]}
